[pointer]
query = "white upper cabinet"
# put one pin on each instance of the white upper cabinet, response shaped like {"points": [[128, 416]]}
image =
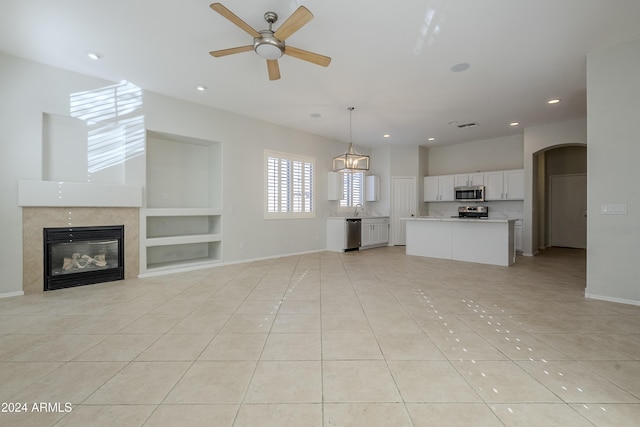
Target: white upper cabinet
{"points": [[334, 186], [461, 180], [372, 188], [504, 185], [494, 183], [447, 183], [514, 184], [499, 185], [476, 178], [431, 189], [439, 188], [469, 179]]}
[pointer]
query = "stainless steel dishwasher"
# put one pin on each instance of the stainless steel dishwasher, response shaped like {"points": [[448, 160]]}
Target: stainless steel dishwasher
{"points": [[353, 234]]}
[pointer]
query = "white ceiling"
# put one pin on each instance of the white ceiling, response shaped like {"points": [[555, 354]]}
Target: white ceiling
{"points": [[390, 60]]}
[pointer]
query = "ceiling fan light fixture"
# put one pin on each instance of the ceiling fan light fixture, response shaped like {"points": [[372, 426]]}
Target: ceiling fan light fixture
{"points": [[267, 46], [351, 161]]}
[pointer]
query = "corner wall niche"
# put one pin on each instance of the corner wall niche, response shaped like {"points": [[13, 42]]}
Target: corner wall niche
{"points": [[182, 221]]}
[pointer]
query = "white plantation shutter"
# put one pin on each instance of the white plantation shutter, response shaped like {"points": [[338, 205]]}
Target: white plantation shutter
{"points": [[273, 184], [289, 186], [308, 187], [285, 185], [352, 189]]}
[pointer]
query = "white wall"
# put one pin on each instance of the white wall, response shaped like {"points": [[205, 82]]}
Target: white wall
{"points": [[28, 89], [246, 233], [483, 155], [613, 108]]}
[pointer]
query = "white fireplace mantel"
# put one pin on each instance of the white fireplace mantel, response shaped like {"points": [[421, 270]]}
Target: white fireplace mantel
{"points": [[68, 194]]}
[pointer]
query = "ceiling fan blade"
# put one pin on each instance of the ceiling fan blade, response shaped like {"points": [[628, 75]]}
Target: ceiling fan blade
{"points": [[307, 56], [218, 7], [230, 51], [293, 23], [274, 69]]}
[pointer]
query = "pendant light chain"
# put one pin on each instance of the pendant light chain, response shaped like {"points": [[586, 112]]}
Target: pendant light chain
{"points": [[351, 124]]}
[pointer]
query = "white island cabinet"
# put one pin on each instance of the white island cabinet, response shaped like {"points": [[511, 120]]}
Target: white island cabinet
{"points": [[485, 241]]}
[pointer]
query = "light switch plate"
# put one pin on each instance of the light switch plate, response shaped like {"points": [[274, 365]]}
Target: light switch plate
{"points": [[617, 209]]}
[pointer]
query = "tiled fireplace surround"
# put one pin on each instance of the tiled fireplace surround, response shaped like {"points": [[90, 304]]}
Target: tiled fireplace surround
{"points": [[35, 219]]}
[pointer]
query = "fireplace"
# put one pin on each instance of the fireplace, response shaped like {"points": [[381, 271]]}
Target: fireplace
{"points": [[76, 256]]}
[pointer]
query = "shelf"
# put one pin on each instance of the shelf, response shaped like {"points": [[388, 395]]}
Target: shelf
{"points": [[174, 226], [182, 240], [178, 265], [183, 253], [183, 212]]}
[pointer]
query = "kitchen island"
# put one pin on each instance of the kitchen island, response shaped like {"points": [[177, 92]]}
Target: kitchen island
{"points": [[486, 241]]}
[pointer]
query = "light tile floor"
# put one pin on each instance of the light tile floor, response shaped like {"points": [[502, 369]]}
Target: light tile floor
{"points": [[371, 338]]}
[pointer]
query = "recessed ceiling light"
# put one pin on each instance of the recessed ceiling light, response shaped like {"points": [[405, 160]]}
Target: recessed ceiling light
{"points": [[201, 88], [553, 101], [463, 66], [386, 135], [431, 139], [514, 123], [92, 54], [315, 115]]}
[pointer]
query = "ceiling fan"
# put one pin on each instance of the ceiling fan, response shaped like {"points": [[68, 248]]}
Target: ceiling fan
{"points": [[271, 45]]}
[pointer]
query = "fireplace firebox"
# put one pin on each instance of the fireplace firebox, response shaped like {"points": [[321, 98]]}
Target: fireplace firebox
{"points": [[77, 256]]}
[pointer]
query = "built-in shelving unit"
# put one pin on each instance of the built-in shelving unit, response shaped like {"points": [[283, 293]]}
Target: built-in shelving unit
{"points": [[182, 221]]}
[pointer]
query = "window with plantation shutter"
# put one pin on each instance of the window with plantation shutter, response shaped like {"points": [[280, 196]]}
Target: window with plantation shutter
{"points": [[352, 189], [289, 186]]}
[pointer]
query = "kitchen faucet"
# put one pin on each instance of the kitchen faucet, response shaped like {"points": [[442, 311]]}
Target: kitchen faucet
{"points": [[356, 211]]}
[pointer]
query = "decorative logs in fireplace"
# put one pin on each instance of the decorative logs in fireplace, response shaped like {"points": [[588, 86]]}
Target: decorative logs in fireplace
{"points": [[77, 256]]}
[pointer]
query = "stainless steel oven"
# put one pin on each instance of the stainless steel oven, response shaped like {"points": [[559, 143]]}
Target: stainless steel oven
{"points": [[473, 212], [470, 194]]}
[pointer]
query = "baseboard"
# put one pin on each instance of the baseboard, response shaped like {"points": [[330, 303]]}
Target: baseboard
{"points": [[12, 294], [611, 299]]}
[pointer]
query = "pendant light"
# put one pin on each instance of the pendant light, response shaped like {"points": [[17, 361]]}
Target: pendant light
{"points": [[351, 161]]}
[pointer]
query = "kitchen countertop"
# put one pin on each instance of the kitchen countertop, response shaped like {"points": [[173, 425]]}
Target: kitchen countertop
{"points": [[342, 218], [439, 218]]}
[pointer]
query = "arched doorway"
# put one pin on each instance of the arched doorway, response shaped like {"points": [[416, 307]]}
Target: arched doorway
{"points": [[559, 196]]}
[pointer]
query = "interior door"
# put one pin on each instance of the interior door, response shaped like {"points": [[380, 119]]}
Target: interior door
{"points": [[568, 210], [403, 205]]}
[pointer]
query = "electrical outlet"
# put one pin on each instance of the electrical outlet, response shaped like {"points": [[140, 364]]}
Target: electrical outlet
{"points": [[617, 209]]}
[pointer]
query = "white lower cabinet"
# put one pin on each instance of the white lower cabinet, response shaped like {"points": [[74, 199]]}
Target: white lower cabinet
{"points": [[375, 232]]}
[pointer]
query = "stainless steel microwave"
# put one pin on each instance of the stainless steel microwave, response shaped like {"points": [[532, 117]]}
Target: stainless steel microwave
{"points": [[470, 194]]}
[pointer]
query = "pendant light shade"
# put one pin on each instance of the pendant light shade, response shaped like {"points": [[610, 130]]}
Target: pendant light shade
{"points": [[351, 161]]}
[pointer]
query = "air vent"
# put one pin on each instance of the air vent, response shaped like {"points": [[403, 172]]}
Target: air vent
{"points": [[468, 125]]}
